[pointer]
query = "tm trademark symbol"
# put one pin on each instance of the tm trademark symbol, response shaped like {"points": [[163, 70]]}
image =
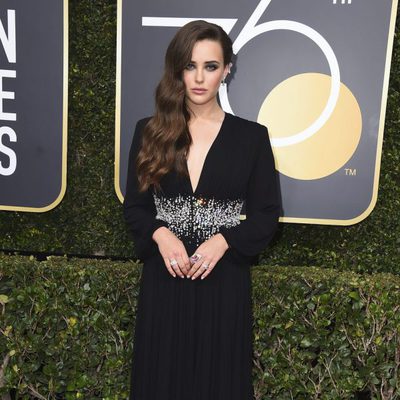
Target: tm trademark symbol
{"points": [[350, 171]]}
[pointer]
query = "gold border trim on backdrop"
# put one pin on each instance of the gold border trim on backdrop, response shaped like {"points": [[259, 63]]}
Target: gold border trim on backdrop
{"points": [[64, 128], [117, 152], [315, 221]]}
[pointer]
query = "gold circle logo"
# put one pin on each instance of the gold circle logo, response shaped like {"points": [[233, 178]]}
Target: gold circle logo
{"points": [[292, 106]]}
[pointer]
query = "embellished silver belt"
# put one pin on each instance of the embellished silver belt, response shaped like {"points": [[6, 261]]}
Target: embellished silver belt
{"points": [[197, 218]]}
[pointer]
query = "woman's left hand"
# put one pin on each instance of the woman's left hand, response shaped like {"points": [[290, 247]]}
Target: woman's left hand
{"points": [[211, 252]]}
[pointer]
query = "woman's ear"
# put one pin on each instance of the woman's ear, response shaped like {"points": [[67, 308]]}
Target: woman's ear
{"points": [[227, 70]]}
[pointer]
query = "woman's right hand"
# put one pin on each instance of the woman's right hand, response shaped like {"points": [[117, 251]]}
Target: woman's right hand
{"points": [[172, 248]]}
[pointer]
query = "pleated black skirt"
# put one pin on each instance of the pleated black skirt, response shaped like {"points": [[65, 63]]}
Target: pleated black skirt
{"points": [[193, 338]]}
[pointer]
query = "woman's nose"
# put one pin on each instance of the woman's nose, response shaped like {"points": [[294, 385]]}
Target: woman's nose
{"points": [[199, 75]]}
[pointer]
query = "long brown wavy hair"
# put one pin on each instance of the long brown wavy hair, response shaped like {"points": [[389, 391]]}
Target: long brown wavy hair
{"points": [[166, 139]]}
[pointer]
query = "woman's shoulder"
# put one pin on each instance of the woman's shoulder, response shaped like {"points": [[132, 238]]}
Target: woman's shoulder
{"points": [[142, 122], [139, 128], [248, 127]]}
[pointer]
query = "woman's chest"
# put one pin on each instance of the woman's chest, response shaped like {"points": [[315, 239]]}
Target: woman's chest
{"points": [[224, 174]]}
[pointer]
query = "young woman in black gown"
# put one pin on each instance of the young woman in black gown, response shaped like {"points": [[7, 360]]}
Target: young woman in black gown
{"points": [[192, 167]]}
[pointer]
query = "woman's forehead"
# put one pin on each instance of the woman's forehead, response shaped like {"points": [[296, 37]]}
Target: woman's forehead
{"points": [[207, 50]]}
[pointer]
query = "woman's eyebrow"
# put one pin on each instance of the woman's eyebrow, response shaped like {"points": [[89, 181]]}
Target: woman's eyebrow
{"points": [[206, 62]]}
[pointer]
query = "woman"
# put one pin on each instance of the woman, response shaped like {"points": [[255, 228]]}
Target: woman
{"points": [[191, 168]]}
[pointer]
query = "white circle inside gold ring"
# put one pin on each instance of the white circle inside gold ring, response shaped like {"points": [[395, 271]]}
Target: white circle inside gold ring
{"points": [[250, 32]]}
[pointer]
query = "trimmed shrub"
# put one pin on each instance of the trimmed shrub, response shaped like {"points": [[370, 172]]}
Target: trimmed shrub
{"points": [[67, 325]]}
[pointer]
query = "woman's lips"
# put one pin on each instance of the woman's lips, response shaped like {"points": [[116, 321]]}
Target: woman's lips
{"points": [[199, 91]]}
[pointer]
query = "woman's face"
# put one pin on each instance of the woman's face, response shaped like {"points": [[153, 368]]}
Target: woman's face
{"points": [[203, 75]]}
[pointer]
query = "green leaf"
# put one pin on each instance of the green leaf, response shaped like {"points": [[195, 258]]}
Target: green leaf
{"points": [[3, 299]]}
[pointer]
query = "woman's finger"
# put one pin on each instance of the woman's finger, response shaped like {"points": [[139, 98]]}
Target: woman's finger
{"points": [[176, 261], [195, 266], [182, 265], [186, 261], [200, 269], [209, 269], [169, 268]]}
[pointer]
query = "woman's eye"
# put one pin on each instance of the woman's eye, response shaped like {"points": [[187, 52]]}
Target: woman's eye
{"points": [[208, 67], [212, 67]]}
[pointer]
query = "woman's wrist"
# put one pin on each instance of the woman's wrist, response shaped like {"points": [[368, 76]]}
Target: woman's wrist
{"points": [[157, 232], [223, 240]]}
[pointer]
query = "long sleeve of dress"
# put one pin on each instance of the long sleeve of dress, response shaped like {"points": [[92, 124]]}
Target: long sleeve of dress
{"points": [[253, 234], [138, 207]]}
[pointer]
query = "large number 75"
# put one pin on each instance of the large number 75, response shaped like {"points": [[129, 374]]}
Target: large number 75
{"points": [[252, 30], [299, 152]]}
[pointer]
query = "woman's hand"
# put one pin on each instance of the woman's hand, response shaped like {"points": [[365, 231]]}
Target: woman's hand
{"points": [[211, 252], [171, 248]]}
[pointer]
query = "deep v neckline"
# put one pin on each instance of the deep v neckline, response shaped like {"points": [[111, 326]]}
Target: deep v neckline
{"points": [[214, 142]]}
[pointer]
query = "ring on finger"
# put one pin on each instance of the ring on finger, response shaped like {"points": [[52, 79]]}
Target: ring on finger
{"points": [[205, 265], [173, 262], [195, 257]]}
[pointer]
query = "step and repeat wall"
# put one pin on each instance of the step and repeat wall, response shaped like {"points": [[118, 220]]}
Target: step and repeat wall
{"points": [[315, 72]]}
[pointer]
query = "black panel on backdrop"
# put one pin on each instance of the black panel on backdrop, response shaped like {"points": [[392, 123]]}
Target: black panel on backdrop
{"points": [[33, 59], [312, 71]]}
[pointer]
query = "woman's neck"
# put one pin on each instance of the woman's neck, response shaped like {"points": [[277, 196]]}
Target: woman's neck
{"points": [[205, 111]]}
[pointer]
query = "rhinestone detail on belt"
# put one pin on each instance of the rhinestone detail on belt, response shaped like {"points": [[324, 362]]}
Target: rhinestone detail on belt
{"points": [[197, 218]]}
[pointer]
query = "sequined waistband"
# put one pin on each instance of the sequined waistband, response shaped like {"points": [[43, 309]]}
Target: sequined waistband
{"points": [[197, 218]]}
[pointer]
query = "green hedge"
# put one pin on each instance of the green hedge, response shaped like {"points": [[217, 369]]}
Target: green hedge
{"points": [[89, 219], [66, 330]]}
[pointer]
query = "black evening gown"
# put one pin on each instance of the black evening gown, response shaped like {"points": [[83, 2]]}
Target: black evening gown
{"points": [[193, 338]]}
